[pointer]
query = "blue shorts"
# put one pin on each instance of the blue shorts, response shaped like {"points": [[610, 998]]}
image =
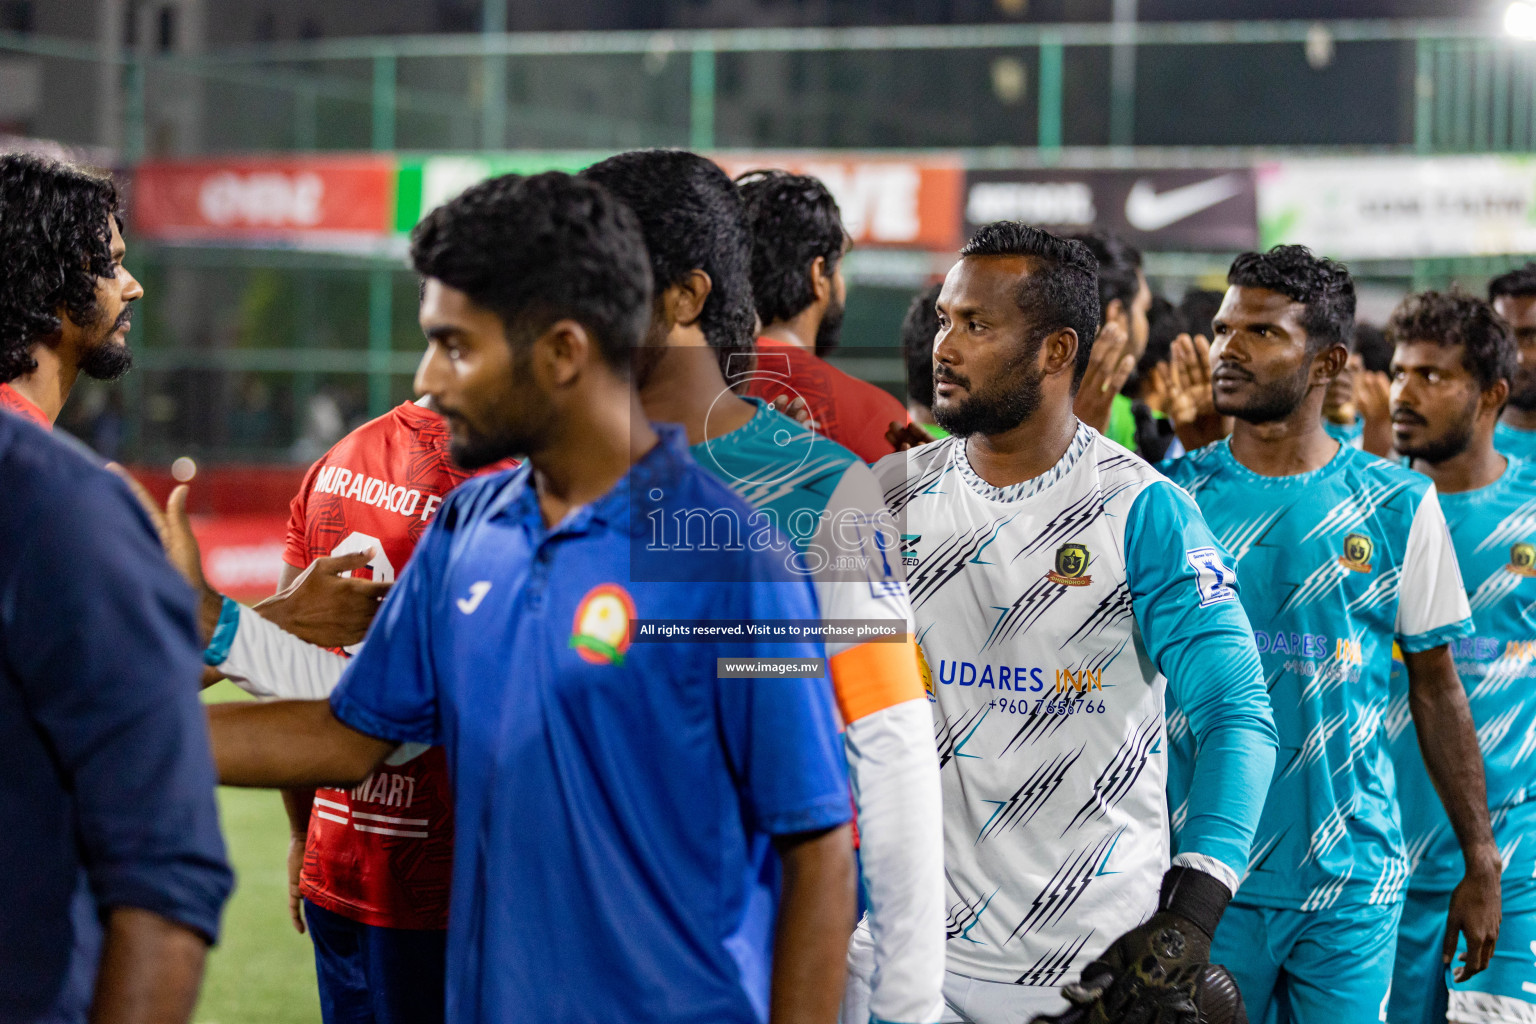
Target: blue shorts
{"points": [[373, 975], [1310, 967]]}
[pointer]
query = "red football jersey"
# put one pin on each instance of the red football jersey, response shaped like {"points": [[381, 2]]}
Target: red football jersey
{"points": [[852, 412], [381, 853], [14, 401]]}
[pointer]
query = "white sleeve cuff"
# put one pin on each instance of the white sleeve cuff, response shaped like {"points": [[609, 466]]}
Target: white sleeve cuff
{"points": [[266, 661], [1211, 866]]}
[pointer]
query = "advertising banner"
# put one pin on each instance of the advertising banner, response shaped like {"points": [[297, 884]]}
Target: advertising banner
{"points": [[912, 203], [906, 203], [1401, 207], [340, 202], [1188, 209]]}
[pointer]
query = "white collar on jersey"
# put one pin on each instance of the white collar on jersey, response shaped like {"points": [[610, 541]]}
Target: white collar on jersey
{"points": [[1024, 488]]}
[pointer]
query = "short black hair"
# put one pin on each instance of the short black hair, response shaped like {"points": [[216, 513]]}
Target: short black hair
{"points": [[918, 329], [1455, 318], [1371, 344], [794, 219], [1119, 267], [1062, 291], [539, 249], [1519, 282], [1198, 307], [1322, 285], [56, 239], [1164, 323], [693, 219]]}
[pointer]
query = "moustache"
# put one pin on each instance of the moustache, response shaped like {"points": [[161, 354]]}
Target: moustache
{"points": [[944, 375], [1230, 371], [123, 318], [1409, 416]]}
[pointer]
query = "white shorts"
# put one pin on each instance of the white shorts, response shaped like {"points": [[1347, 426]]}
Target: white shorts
{"points": [[966, 1000]]}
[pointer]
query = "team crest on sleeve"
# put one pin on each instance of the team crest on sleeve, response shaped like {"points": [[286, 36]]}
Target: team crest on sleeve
{"points": [[1358, 549], [600, 631], [1213, 580], [1071, 563], [1522, 559]]}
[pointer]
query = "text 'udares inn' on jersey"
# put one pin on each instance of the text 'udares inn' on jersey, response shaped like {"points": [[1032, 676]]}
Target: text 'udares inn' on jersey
{"points": [[1493, 531], [614, 799], [1339, 562], [1051, 615], [382, 852]]}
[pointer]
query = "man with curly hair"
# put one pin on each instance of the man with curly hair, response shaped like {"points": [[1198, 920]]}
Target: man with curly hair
{"points": [[1513, 297], [1452, 368], [66, 299], [1344, 556]]}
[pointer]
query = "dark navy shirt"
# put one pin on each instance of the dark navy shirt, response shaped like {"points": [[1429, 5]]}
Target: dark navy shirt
{"points": [[106, 782], [614, 800]]}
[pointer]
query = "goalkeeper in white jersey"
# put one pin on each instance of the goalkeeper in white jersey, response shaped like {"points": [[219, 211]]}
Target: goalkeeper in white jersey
{"points": [[1060, 585]]}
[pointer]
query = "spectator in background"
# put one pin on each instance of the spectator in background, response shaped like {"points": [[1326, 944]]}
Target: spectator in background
{"points": [[1514, 298], [1198, 308], [115, 868], [918, 329], [1147, 386], [797, 286], [1124, 299]]}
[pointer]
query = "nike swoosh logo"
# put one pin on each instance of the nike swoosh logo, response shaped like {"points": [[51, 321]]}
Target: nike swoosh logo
{"points": [[1148, 210], [477, 592]]}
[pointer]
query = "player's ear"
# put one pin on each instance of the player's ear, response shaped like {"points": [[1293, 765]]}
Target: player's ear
{"points": [[1493, 399], [821, 281], [683, 302], [1329, 362], [1058, 352], [562, 352]]}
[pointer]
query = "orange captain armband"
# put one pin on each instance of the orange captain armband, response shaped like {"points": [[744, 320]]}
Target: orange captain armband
{"points": [[874, 676]]}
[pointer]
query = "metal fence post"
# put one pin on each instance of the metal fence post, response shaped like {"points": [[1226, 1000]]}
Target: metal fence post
{"points": [[133, 108], [493, 78], [701, 106], [384, 101], [1049, 118], [380, 340]]}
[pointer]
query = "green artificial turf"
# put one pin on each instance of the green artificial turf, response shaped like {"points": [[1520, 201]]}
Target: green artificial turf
{"points": [[262, 972]]}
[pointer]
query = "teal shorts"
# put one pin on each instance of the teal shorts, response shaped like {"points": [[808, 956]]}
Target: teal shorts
{"points": [[1425, 992], [1310, 967]]}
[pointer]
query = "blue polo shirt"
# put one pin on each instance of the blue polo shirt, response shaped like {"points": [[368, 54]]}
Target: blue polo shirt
{"points": [[614, 801], [106, 782]]}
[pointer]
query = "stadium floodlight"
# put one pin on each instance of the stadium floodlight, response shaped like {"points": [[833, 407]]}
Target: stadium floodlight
{"points": [[1520, 19]]}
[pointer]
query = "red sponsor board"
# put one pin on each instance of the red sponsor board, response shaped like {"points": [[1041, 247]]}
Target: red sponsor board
{"points": [[242, 555], [337, 200], [885, 201]]}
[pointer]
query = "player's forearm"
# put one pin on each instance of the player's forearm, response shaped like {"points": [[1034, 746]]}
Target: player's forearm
{"points": [[895, 773], [1448, 742], [150, 970], [816, 911], [297, 804], [289, 744]]}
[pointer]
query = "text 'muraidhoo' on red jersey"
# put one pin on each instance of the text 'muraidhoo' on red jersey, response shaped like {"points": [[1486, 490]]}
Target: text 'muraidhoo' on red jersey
{"points": [[381, 853]]}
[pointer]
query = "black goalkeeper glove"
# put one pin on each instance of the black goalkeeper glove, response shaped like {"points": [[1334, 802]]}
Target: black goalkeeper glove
{"points": [[1160, 971]]}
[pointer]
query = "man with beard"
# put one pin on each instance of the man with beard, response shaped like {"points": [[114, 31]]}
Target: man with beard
{"points": [[1451, 371], [1514, 298], [798, 243], [615, 801], [65, 297], [1060, 586], [825, 505], [1343, 554]]}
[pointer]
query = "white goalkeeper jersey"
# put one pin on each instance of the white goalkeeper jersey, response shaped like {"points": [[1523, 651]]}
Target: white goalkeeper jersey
{"points": [[1049, 614]]}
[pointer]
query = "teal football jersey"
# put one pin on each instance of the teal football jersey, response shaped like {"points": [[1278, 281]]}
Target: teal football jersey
{"points": [[1337, 563], [1493, 530], [1514, 441]]}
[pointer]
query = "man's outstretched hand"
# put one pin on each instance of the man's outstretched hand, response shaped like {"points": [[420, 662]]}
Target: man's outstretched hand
{"points": [[325, 607]]}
